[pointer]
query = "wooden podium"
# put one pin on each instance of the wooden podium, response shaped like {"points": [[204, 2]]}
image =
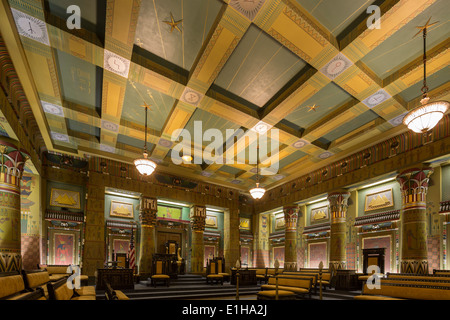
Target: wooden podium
{"points": [[118, 278]]}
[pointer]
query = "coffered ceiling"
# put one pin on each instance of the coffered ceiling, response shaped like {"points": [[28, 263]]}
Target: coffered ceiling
{"points": [[311, 69]]}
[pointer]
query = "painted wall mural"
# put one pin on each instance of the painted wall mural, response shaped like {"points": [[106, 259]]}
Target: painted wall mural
{"points": [[244, 224], [209, 253], [317, 252], [30, 220], [319, 215], [121, 209], [64, 246], [379, 200], [121, 245], [278, 254], [245, 256], [65, 198], [168, 213]]}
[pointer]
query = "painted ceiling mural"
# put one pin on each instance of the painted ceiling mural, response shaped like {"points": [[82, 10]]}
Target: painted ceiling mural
{"points": [[313, 70]]}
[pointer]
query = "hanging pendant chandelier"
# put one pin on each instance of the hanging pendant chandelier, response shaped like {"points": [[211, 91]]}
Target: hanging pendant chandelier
{"points": [[427, 116], [144, 165], [258, 192]]}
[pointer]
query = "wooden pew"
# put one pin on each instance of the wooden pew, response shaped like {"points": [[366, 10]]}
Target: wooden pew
{"points": [[299, 285], [60, 291], [445, 273], [36, 279], [12, 287], [314, 277], [326, 275], [57, 272], [417, 276], [261, 274], [112, 294], [396, 291]]}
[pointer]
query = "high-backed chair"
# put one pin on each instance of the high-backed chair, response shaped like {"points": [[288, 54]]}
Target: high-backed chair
{"points": [[211, 273], [221, 269], [159, 272]]}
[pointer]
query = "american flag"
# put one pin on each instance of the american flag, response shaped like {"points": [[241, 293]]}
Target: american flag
{"points": [[132, 252]]}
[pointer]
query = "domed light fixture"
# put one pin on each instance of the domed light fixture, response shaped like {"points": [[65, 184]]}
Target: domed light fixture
{"points": [[427, 116], [257, 193], [144, 165]]}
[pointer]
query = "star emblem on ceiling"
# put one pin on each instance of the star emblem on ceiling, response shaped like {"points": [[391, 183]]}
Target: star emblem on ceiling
{"points": [[173, 24], [425, 27], [312, 108]]}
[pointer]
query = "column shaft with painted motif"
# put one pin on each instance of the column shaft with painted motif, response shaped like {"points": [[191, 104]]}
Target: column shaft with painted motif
{"points": [[290, 242], [338, 210], [12, 161], [414, 188], [198, 215], [147, 217]]}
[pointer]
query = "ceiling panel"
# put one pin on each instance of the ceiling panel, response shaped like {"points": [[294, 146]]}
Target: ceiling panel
{"points": [[258, 68]]}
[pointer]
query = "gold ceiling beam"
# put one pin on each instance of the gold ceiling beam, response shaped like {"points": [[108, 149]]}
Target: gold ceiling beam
{"points": [[19, 59]]}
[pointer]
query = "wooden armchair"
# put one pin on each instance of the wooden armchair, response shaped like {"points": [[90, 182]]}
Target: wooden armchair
{"points": [[221, 269], [159, 272], [212, 273]]}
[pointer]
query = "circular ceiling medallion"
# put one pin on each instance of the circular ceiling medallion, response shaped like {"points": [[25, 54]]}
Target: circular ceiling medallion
{"points": [[299, 144], [116, 64], [30, 27], [336, 67], [325, 155]]}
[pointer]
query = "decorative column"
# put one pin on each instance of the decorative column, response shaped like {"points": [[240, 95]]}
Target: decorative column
{"points": [[147, 218], [12, 161], [290, 242], [198, 215], [414, 187], [338, 212], [231, 237]]}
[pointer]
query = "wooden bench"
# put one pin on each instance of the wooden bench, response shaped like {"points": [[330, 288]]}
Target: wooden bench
{"points": [[326, 275], [445, 273], [60, 291], [417, 276], [298, 285], [275, 295], [261, 274], [395, 291], [12, 287], [35, 279], [111, 294], [57, 272], [314, 277]]}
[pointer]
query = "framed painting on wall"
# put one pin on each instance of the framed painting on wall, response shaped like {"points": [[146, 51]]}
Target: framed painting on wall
{"points": [[317, 252], [278, 254], [211, 221], [121, 245], [65, 198], [245, 256], [244, 224], [121, 209], [168, 213], [379, 200], [320, 214], [210, 252], [63, 246], [279, 223]]}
